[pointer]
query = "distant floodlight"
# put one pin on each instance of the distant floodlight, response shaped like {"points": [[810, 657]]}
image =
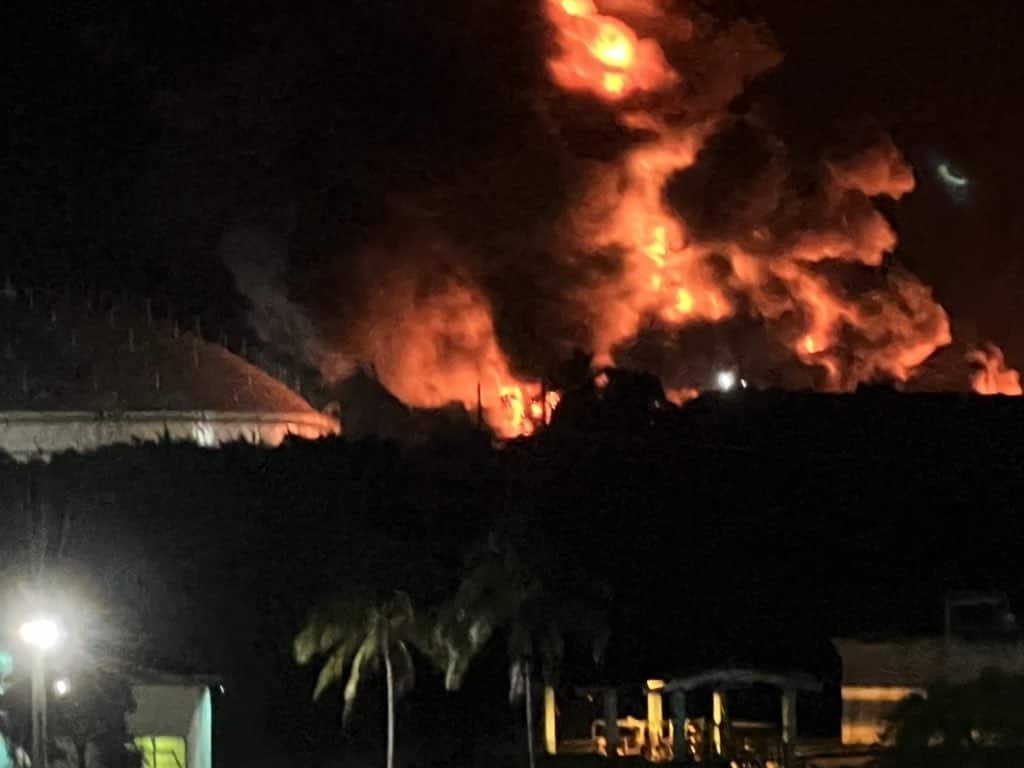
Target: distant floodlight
{"points": [[42, 633], [726, 380], [743, 383], [61, 686]]}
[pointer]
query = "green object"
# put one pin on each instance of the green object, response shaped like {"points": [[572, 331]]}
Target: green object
{"points": [[6, 670], [162, 751]]}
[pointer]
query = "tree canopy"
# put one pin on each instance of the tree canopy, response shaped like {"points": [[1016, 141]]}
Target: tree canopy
{"points": [[978, 723]]}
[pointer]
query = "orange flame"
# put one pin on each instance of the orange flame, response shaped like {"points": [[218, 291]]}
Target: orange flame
{"points": [[603, 55], [681, 395], [992, 376], [668, 275], [436, 347], [441, 348]]}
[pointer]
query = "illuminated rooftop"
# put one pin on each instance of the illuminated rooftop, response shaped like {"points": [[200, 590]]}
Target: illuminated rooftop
{"points": [[77, 376]]}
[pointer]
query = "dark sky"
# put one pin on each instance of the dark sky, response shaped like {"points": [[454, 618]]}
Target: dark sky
{"points": [[944, 78], [138, 135]]}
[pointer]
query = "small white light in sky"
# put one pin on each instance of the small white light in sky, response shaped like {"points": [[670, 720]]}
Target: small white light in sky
{"points": [[61, 687], [726, 380], [951, 178]]}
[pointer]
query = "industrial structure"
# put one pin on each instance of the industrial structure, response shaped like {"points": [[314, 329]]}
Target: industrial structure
{"points": [[78, 374], [981, 635]]}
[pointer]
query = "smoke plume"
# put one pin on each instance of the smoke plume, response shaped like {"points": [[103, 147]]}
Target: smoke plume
{"points": [[258, 260], [669, 229]]}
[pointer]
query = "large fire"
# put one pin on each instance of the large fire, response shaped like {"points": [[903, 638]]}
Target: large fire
{"points": [[774, 270], [783, 265], [603, 55], [438, 347], [991, 376]]}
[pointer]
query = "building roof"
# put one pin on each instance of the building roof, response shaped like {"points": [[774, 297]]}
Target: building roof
{"points": [[737, 677], [909, 662], [63, 355], [917, 662]]}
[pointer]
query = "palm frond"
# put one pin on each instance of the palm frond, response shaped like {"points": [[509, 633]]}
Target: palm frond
{"points": [[328, 627], [517, 679], [403, 668], [502, 590], [334, 668], [307, 643], [364, 656]]}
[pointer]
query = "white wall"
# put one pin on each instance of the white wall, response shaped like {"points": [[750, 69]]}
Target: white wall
{"points": [[26, 435], [185, 711]]}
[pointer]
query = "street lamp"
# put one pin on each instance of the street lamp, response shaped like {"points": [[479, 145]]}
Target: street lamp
{"points": [[42, 634]]}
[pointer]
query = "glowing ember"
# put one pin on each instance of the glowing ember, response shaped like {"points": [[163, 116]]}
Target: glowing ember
{"points": [[992, 376]]}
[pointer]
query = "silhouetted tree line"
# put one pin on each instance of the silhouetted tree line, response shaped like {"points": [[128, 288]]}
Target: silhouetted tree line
{"points": [[743, 527]]}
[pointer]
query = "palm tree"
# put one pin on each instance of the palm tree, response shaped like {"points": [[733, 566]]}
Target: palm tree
{"points": [[500, 591], [356, 635]]}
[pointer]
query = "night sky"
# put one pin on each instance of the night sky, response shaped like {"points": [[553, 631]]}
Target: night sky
{"points": [[137, 136], [943, 78]]}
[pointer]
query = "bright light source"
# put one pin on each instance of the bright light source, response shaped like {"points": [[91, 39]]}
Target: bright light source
{"points": [[41, 633], [951, 178], [61, 687], [743, 383], [726, 380]]}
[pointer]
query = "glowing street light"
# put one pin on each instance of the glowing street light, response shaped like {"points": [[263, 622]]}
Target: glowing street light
{"points": [[42, 633], [61, 686]]}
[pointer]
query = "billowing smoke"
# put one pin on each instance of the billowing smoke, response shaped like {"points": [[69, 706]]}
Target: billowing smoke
{"points": [[258, 259], [432, 341], [713, 226], [991, 375], [673, 232]]}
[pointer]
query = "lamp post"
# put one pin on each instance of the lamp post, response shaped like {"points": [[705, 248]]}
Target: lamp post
{"points": [[41, 634]]}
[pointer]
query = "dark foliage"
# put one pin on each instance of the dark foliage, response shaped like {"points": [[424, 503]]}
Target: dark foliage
{"points": [[979, 723], [749, 528], [91, 719]]}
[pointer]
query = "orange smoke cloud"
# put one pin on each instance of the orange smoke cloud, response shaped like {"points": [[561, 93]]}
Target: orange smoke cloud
{"points": [[879, 170], [433, 348], [992, 376], [772, 270], [603, 55], [803, 255]]}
